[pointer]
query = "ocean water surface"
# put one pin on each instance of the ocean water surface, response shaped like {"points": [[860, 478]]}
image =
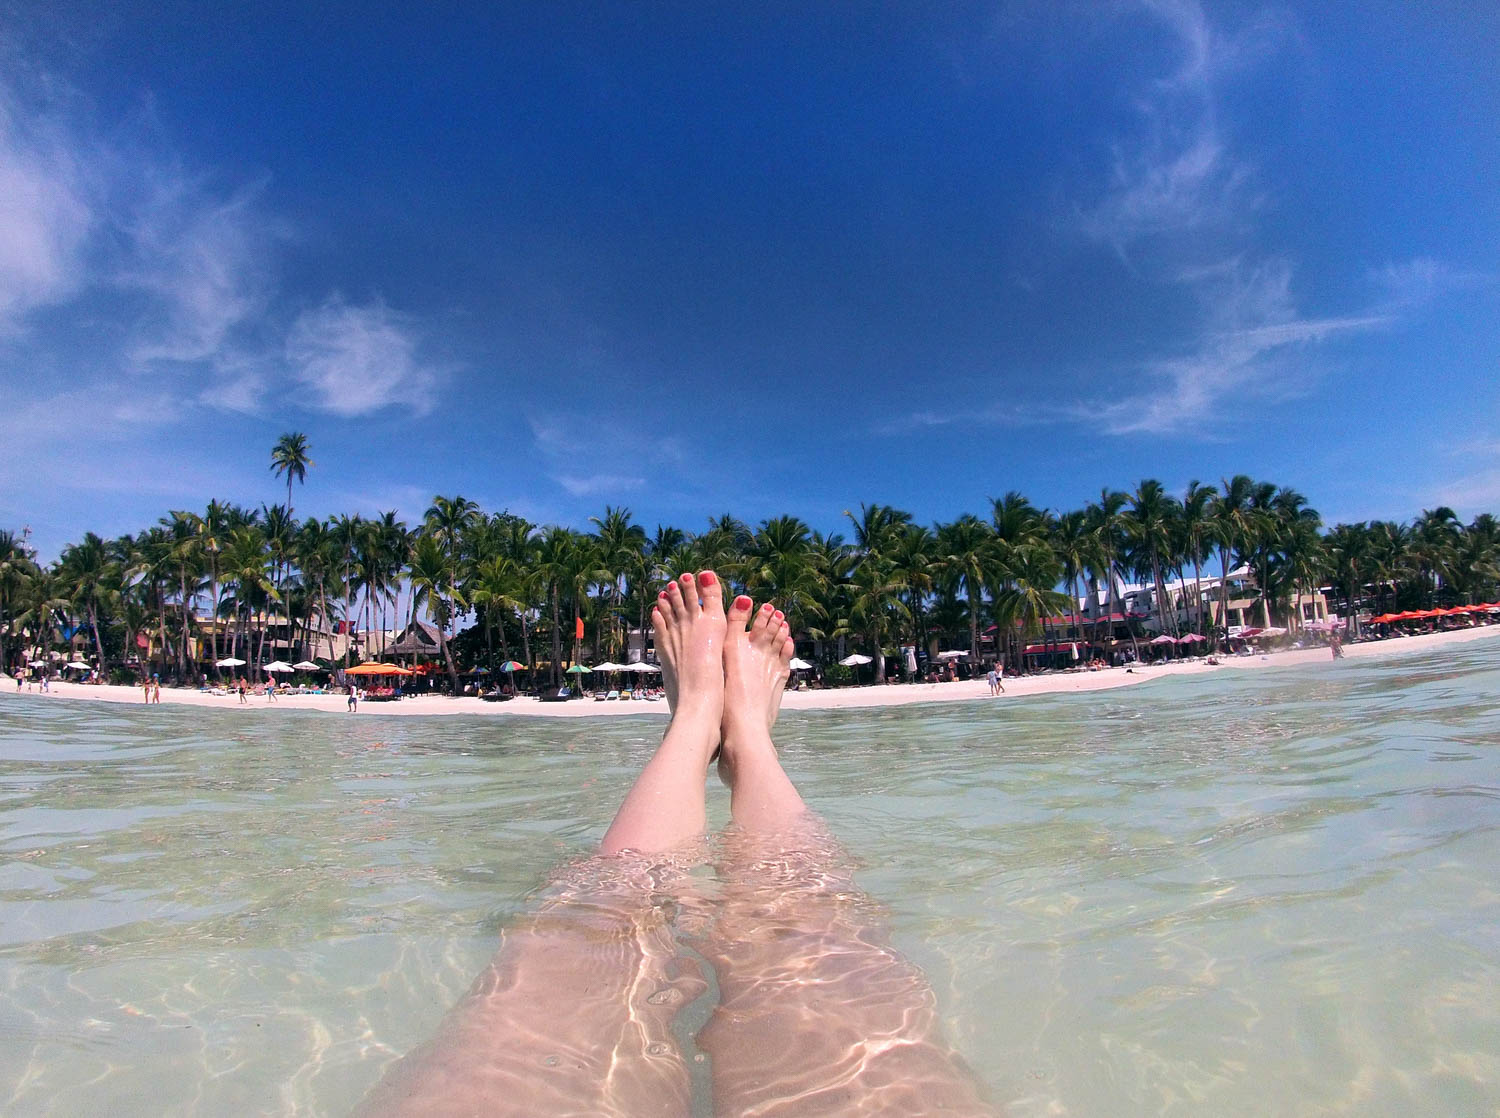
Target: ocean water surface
{"points": [[1258, 892]]}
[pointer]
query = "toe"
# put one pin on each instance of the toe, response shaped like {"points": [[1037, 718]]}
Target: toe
{"points": [[764, 619], [739, 613], [688, 586], [672, 596], [711, 593]]}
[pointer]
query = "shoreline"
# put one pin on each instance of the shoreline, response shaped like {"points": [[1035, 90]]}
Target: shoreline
{"points": [[898, 694]]}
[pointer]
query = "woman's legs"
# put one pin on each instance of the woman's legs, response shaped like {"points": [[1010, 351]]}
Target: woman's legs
{"points": [[817, 1014], [665, 807], [574, 1014]]}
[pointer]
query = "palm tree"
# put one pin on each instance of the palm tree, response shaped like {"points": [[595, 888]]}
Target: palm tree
{"points": [[1235, 525], [44, 603], [1196, 529], [1030, 599], [618, 545], [88, 576], [556, 564], [431, 588], [875, 605], [1073, 543], [1148, 524], [1349, 555], [911, 552], [17, 568], [963, 551], [289, 456]]}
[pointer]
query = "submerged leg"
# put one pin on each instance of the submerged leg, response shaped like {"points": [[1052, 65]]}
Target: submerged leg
{"points": [[818, 1014], [574, 1014]]}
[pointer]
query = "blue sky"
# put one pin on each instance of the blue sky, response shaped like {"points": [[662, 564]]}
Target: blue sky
{"points": [[759, 259]]}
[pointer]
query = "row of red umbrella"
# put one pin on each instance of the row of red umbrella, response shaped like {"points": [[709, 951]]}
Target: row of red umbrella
{"points": [[1426, 614]]}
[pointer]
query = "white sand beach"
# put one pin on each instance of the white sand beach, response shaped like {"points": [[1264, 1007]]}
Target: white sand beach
{"points": [[893, 694]]}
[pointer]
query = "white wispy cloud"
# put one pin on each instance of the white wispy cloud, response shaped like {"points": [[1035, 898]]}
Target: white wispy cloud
{"points": [[358, 359], [1410, 284], [202, 258], [595, 484], [45, 215], [1176, 172], [590, 455], [1251, 326]]}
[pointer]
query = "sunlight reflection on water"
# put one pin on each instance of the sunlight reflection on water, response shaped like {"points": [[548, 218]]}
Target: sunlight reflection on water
{"points": [[1269, 892]]}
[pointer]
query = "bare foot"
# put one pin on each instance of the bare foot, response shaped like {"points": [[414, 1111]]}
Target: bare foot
{"points": [[689, 625], [665, 805], [757, 664]]}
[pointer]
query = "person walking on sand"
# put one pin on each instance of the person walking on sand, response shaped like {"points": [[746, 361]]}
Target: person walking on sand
{"points": [[353, 698], [817, 1013], [243, 688], [156, 689], [146, 688]]}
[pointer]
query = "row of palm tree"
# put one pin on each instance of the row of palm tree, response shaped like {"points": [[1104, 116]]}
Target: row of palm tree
{"points": [[494, 585]]}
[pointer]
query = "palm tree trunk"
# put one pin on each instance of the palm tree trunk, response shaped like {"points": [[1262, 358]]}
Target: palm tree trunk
{"points": [[973, 627], [556, 643], [1223, 599]]}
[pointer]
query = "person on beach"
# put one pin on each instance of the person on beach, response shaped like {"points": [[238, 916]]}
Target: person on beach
{"points": [[156, 689], [353, 698], [817, 1013], [146, 689], [243, 689]]}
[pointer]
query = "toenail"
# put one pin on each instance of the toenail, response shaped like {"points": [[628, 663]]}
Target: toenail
{"points": [[708, 578], [742, 602]]}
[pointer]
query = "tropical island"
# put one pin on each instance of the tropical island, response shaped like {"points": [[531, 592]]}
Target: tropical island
{"points": [[1140, 574]]}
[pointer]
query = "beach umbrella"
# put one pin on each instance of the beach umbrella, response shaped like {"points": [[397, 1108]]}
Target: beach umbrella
{"points": [[37, 663], [640, 668], [609, 666], [78, 664], [229, 662], [1191, 637], [1073, 647], [1163, 639], [279, 667], [951, 654], [373, 668], [512, 666], [578, 669], [854, 659], [798, 665], [308, 666]]}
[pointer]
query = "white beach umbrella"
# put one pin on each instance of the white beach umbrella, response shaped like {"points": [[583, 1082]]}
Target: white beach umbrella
{"points": [[799, 665], [609, 666], [641, 668], [37, 663], [78, 664], [952, 654], [229, 662], [278, 666], [854, 659], [308, 666]]}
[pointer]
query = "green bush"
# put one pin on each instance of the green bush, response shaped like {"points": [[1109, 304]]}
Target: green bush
{"points": [[838, 675]]}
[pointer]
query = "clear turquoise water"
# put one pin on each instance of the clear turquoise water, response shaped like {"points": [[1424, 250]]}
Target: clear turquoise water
{"points": [[1269, 892]]}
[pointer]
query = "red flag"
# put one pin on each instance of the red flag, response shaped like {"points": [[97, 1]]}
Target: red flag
{"points": [[578, 628]]}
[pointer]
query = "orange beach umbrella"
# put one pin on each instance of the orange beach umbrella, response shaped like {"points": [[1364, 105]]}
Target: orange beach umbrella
{"points": [[377, 669]]}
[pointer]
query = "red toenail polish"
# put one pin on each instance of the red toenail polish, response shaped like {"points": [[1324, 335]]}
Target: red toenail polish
{"points": [[707, 578], [742, 602], [663, 595]]}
